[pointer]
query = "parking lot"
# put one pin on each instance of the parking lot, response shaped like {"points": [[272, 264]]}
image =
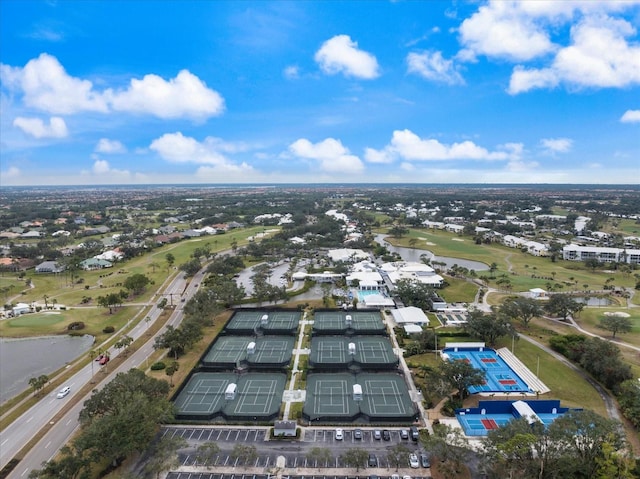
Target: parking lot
{"points": [[205, 475], [328, 435], [203, 434], [294, 453]]}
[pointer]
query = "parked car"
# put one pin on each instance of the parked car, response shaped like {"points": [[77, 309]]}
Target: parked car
{"points": [[413, 461], [415, 434], [377, 434], [373, 460], [386, 435], [339, 434], [395, 476], [404, 434], [406, 477], [63, 392], [357, 434], [424, 460]]}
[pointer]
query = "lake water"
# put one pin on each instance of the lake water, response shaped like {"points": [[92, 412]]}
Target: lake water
{"points": [[412, 254], [22, 359]]}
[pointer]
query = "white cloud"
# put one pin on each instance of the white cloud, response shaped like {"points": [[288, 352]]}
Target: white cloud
{"points": [[102, 170], [432, 66], [35, 127], [341, 55], [330, 153], [502, 30], [108, 146], [177, 148], [12, 173], [183, 96], [46, 85], [410, 147], [556, 145], [378, 156], [598, 57], [631, 116], [100, 167], [292, 72]]}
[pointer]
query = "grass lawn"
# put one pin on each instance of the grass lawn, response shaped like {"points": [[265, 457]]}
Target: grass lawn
{"points": [[459, 291], [44, 323]]}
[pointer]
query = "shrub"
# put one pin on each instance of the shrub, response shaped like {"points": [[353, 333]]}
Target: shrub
{"points": [[76, 326], [158, 366], [108, 330]]}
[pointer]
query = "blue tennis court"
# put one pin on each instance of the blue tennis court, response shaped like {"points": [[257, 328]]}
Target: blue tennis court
{"points": [[490, 415], [499, 377]]}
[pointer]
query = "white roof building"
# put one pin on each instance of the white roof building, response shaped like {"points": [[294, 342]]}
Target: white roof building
{"points": [[415, 271], [574, 252], [347, 254], [410, 315]]}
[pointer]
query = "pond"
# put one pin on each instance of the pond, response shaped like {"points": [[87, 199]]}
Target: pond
{"points": [[593, 300], [412, 254], [24, 358]]}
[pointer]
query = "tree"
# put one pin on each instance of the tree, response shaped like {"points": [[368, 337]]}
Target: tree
{"points": [[414, 293], [615, 324], [397, 455], [244, 452], [629, 399], [170, 260], [123, 416], [136, 283], [582, 435], [450, 446], [123, 343], [206, 452], [563, 305], [522, 309], [70, 464], [171, 370], [493, 267], [461, 375], [319, 455], [38, 383], [172, 339], [164, 455], [355, 457], [488, 327], [110, 301], [398, 231]]}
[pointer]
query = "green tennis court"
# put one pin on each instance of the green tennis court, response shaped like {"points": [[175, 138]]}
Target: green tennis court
{"points": [[385, 396], [374, 351], [257, 396], [267, 320], [228, 351], [339, 321]]}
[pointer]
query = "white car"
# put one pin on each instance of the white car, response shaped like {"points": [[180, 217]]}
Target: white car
{"points": [[63, 392], [339, 434], [413, 461]]}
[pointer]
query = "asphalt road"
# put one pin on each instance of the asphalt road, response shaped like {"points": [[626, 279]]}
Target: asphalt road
{"points": [[21, 431]]}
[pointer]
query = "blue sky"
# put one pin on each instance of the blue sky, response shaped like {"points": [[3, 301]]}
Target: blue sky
{"points": [[146, 92]]}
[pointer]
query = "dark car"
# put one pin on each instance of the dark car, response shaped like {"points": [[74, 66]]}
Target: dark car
{"points": [[386, 435], [424, 461], [373, 460], [357, 434], [415, 434]]}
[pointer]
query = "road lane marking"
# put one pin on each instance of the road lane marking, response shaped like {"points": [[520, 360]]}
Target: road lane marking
{"points": [[29, 420], [48, 444]]}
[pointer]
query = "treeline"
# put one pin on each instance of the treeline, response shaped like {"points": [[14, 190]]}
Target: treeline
{"points": [[602, 360]]}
